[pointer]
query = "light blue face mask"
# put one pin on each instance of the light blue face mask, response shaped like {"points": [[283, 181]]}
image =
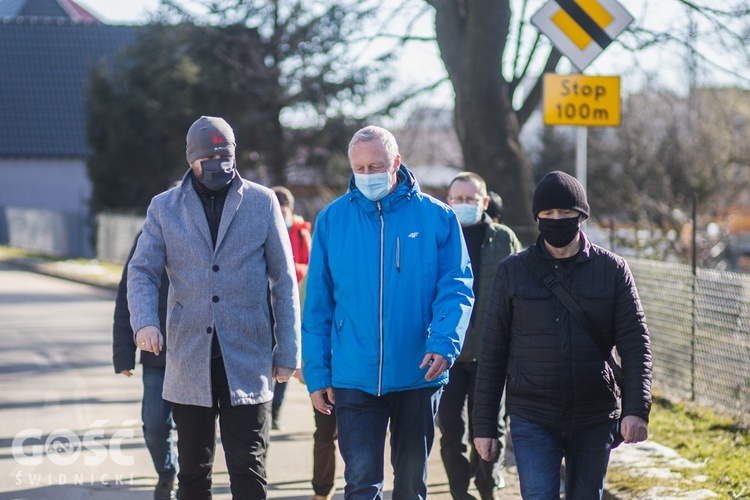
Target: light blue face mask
{"points": [[373, 186], [467, 213]]}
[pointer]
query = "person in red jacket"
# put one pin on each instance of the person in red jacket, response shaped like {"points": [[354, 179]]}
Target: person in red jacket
{"points": [[301, 237], [299, 231]]}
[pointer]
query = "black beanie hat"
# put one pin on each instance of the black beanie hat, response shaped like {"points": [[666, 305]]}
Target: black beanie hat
{"points": [[559, 190], [209, 136]]}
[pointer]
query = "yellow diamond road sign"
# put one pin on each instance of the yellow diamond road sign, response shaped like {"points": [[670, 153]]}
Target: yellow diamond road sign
{"points": [[589, 101], [581, 29]]}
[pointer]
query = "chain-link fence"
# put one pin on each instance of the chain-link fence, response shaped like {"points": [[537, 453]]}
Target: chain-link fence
{"points": [[700, 332], [52, 232], [115, 235], [699, 325]]}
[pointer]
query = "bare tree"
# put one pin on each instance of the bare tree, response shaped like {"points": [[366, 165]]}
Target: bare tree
{"points": [[669, 151], [275, 57], [494, 59], [247, 61]]}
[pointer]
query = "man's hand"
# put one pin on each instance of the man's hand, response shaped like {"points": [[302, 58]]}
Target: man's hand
{"points": [[486, 447], [150, 339], [319, 400], [634, 429], [281, 374], [437, 364], [127, 373], [299, 375]]}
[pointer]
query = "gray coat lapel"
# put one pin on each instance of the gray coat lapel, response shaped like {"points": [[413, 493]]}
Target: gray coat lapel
{"points": [[231, 205], [194, 207]]}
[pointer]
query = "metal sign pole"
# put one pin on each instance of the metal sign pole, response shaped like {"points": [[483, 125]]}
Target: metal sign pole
{"points": [[582, 142], [582, 135]]}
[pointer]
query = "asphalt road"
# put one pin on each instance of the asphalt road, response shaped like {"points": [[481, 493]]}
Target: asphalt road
{"points": [[70, 427]]}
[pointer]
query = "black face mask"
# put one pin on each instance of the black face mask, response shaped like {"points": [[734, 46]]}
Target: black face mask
{"points": [[217, 173], [559, 232]]}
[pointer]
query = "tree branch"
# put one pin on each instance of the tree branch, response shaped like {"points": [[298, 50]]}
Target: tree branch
{"points": [[532, 100], [519, 78], [521, 23], [406, 96]]}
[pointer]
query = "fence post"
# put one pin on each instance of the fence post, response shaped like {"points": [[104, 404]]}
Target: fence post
{"points": [[693, 305]]}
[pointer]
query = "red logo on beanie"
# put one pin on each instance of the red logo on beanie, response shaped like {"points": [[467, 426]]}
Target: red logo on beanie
{"points": [[217, 138]]}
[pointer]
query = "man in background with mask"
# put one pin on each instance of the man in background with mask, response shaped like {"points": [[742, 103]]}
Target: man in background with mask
{"points": [[488, 243], [301, 239], [388, 301], [224, 245], [562, 397]]}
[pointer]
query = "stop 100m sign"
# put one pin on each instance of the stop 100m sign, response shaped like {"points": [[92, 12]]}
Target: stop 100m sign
{"points": [[589, 101]]}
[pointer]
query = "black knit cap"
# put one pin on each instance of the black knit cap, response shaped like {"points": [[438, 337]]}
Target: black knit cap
{"points": [[209, 136], [559, 190]]}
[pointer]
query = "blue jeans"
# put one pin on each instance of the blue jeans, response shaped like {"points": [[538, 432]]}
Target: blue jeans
{"points": [[363, 420], [539, 452], [158, 424]]}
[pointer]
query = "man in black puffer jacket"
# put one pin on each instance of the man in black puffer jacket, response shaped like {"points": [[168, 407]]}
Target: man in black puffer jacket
{"points": [[562, 397], [156, 413]]}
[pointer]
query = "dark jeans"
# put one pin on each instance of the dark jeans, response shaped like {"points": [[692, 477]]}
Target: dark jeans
{"points": [[539, 452], [156, 414], [244, 436], [324, 452], [279, 390], [363, 420], [461, 460]]}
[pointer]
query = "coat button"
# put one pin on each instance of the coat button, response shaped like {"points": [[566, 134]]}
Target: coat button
{"points": [[209, 330], [215, 298], [215, 268]]}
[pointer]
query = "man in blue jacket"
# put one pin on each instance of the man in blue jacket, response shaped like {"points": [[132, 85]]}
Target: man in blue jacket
{"points": [[389, 296]]}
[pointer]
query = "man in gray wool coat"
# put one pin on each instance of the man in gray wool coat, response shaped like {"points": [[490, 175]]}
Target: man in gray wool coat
{"points": [[224, 245]]}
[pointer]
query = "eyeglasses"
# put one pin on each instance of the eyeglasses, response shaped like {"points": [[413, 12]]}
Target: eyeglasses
{"points": [[462, 200]]}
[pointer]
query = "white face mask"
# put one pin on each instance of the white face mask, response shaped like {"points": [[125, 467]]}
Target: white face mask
{"points": [[373, 186], [289, 221], [468, 213]]}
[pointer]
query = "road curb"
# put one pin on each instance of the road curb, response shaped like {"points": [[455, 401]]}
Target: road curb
{"points": [[66, 271]]}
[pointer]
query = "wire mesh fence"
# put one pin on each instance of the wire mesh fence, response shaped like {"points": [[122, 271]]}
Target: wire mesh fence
{"points": [[700, 332], [115, 235], [52, 232], [699, 324]]}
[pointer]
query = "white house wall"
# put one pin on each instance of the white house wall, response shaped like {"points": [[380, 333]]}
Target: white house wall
{"points": [[54, 184]]}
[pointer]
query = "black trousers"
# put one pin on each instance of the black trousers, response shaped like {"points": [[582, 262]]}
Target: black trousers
{"points": [[461, 459], [244, 436], [324, 452]]}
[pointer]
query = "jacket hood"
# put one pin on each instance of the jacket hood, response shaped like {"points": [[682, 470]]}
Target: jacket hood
{"points": [[407, 187]]}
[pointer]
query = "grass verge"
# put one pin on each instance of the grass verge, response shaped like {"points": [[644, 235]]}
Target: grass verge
{"points": [[718, 441], [96, 269]]}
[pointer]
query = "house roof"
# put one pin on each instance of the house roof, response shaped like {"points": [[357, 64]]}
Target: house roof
{"points": [[68, 9], [46, 50]]}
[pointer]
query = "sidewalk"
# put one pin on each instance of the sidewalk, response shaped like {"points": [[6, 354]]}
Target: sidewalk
{"points": [[289, 463], [290, 451], [290, 457]]}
